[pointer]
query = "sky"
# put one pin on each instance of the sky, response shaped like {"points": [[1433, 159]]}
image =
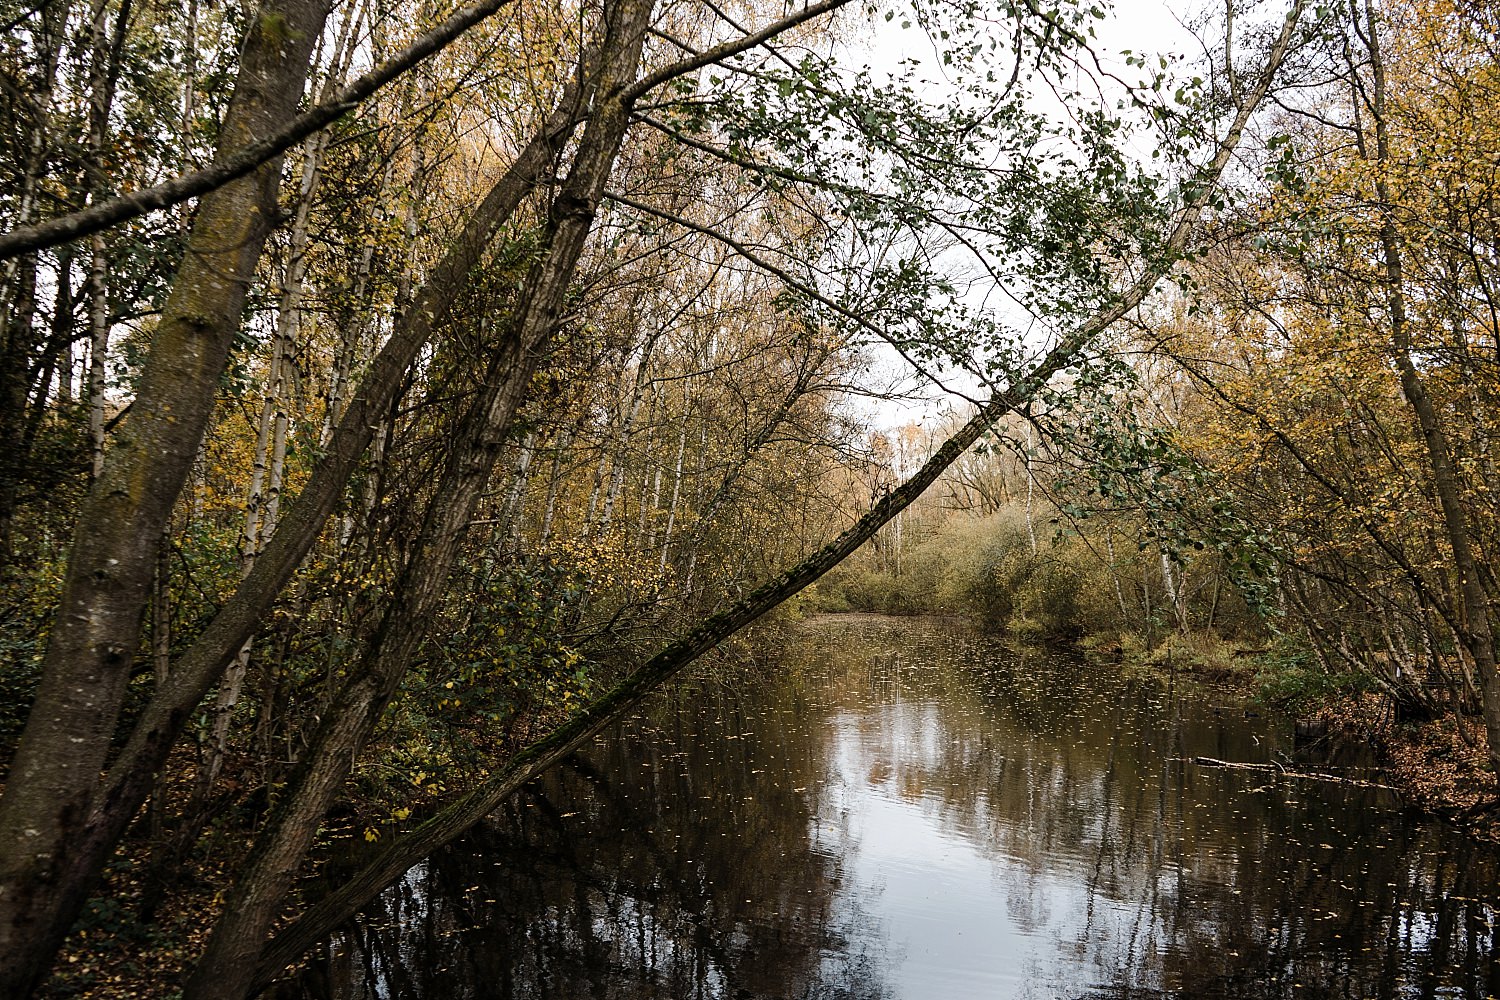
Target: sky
{"points": [[1141, 26]]}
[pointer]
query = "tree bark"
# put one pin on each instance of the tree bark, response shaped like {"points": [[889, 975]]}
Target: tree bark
{"points": [[226, 969], [103, 72], [94, 640]]}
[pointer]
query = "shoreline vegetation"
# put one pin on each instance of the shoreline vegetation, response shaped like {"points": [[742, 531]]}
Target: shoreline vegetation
{"points": [[348, 483], [1060, 596]]}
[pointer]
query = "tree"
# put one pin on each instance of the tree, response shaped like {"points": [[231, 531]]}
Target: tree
{"points": [[92, 644], [1045, 215], [1348, 412]]}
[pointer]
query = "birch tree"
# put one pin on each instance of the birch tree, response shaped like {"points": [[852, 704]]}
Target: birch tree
{"points": [[73, 789]]}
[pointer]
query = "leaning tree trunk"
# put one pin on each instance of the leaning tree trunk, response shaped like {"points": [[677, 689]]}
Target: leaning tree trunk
{"points": [[449, 823], [234, 951], [51, 875], [92, 646], [95, 822]]}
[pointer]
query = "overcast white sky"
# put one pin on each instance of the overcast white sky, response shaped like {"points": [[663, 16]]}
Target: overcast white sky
{"points": [[1142, 26]]}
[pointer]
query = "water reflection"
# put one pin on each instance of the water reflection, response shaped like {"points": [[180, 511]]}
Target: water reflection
{"points": [[903, 810]]}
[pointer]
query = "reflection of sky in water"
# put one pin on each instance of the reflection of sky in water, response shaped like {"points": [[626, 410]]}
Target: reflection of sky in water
{"points": [[957, 919], [899, 811], [952, 849]]}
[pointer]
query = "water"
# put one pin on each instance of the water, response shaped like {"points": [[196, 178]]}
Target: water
{"points": [[903, 809]]}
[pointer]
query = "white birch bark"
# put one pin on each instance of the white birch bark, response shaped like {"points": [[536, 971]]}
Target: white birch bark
{"points": [[263, 498]]}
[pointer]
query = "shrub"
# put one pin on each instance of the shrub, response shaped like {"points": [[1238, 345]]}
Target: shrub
{"points": [[1290, 674]]}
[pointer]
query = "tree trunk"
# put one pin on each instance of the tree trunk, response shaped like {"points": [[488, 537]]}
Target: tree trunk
{"points": [[670, 526], [239, 937], [18, 283], [560, 447], [515, 499], [626, 433], [84, 827], [96, 636], [102, 74], [1475, 627]]}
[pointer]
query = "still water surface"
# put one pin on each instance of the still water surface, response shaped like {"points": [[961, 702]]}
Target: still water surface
{"points": [[902, 809]]}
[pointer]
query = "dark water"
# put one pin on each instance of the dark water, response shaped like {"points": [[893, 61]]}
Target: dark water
{"points": [[901, 809]]}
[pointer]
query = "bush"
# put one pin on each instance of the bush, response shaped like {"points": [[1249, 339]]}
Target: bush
{"points": [[1064, 591], [870, 591], [1290, 674]]}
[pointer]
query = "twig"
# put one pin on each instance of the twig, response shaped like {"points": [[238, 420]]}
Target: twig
{"points": [[1283, 772]]}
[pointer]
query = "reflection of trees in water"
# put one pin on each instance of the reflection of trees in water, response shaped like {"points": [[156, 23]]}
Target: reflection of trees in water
{"points": [[699, 854], [1194, 882], [1393, 918], [672, 862]]}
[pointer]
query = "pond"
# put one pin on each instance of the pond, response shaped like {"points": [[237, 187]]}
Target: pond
{"points": [[905, 809]]}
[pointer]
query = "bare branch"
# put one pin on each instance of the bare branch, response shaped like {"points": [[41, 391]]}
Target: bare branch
{"points": [[723, 51], [179, 189]]}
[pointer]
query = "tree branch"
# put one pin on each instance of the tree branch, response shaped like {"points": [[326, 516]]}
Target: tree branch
{"points": [[342, 904], [723, 51], [137, 203]]}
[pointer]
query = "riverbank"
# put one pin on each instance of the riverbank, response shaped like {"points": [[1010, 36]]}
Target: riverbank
{"points": [[1438, 766]]}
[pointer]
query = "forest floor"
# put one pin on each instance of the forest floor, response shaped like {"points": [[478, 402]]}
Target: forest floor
{"points": [[1440, 765]]}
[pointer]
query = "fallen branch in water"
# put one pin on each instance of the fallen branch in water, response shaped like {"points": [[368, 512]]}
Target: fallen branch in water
{"points": [[343, 903], [1277, 769]]}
